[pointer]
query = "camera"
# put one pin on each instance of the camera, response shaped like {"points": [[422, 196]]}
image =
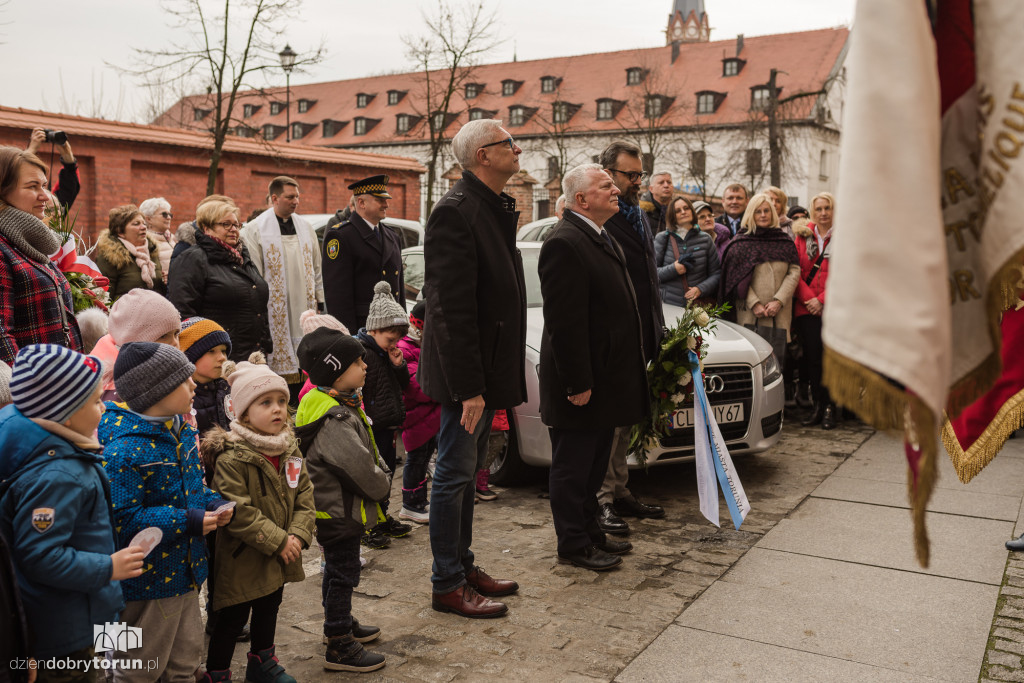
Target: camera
{"points": [[58, 137]]}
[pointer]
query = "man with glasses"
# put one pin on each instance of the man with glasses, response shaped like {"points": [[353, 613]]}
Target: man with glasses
{"points": [[473, 354], [631, 229]]}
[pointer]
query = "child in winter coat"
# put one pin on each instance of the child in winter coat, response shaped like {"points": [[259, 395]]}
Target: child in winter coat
{"points": [[141, 315], [422, 423], [207, 346], [349, 478], [386, 378], [257, 464], [310, 320], [55, 509], [497, 441], [156, 479]]}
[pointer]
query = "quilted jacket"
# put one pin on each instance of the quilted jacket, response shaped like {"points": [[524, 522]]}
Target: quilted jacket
{"points": [[156, 479]]}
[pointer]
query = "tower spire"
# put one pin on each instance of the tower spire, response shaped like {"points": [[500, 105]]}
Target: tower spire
{"points": [[688, 23]]}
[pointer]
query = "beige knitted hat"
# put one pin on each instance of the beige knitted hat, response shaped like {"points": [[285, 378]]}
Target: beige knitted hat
{"points": [[310, 320], [384, 311], [250, 380]]}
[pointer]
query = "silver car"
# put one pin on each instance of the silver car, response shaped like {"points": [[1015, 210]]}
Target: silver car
{"points": [[741, 375]]}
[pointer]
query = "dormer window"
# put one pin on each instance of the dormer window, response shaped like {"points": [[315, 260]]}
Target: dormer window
{"points": [[360, 126], [403, 122], [200, 114], [473, 89], [305, 104], [276, 108], [244, 131], [270, 131], [395, 96], [249, 109], [300, 130], [331, 127], [708, 101], [731, 66], [604, 110], [476, 113], [655, 106], [759, 97], [509, 87], [516, 116], [560, 112], [437, 120], [363, 99], [635, 75], [549, 83]]}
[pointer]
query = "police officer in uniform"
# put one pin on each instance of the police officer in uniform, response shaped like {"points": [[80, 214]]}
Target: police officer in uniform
{"points": [[359, 252]]}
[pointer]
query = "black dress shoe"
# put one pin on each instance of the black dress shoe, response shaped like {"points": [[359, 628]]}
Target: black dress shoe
{"points": [[610, 522], [632, 507], [1015, 544], [804, 395], [828, 418], [815, 417], [613, 547], [591, 557]]}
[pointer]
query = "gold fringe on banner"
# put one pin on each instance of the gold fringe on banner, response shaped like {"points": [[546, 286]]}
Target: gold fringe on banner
{"points": [[885, 406], [969, 463]]}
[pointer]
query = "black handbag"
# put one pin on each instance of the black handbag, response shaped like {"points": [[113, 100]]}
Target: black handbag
{"points": [[774, 336]]}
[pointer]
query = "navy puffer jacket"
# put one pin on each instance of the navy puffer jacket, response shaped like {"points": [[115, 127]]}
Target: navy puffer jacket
{"points": [[698, 253]]}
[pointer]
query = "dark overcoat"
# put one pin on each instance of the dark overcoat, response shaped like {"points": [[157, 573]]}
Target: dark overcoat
{"points": [[354, 260], [592, 334], [643, 274], [474, 336]]}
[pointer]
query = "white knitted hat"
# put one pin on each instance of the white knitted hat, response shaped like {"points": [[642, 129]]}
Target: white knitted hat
{"points": [[250, 380]]}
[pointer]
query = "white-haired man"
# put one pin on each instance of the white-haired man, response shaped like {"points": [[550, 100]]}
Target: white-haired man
{"points": [[559, 206], [655, 201], [472, 359], [592, 371]]}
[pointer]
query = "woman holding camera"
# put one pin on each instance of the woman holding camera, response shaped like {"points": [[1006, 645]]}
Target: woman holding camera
{"points": [[35, 297], [126, 255]]}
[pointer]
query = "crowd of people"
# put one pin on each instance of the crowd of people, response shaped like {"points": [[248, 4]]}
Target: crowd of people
{"points": [[223, 420]]}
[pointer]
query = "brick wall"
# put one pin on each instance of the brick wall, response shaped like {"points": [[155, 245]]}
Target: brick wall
{"points": [[115, 172]]}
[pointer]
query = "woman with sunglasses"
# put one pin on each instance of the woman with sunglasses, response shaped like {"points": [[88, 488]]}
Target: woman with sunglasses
{"points": [[157, 212], [216, 279]]}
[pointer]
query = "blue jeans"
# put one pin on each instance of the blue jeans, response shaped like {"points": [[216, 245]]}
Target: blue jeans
{"points": [[459, 456]]}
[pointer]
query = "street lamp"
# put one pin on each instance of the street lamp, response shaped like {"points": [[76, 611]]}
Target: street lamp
{"points": [[288, 56]]}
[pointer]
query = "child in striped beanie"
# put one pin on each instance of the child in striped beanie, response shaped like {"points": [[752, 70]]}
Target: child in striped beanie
{"points": [[207, 346]]}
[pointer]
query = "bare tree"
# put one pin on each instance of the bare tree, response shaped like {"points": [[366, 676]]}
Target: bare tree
{"points": [[222, 50], [454, 43], [646, 114], [560, 125], [702, 144]]}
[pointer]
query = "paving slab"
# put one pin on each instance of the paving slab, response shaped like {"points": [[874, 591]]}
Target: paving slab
{"points": [[685, 654], [968, 548], [906, 622]]}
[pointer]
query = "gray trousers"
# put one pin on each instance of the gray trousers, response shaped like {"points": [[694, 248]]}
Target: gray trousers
{"points": [[614, 485], [172, 640]]}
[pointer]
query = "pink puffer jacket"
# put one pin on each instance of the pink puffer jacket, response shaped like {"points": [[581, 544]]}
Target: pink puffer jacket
{"points": [[422, 413]]}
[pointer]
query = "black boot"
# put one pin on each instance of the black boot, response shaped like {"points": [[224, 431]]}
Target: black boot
{"points": [[345, 653], [816, 416], [829, 417], [804, 395]]}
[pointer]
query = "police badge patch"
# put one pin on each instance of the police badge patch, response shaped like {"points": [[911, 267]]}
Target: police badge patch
{"points": [[333, 247], [42, 519]]}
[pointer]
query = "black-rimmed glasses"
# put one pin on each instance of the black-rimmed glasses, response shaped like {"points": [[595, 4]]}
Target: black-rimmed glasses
{"points": [[633, 176], [510, 141]]}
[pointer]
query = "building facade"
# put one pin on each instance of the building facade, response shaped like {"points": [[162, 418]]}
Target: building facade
{"points": [[696, 107]]}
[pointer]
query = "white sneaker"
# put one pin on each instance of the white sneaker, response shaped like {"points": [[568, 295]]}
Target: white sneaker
{"points": [[414, 516]]}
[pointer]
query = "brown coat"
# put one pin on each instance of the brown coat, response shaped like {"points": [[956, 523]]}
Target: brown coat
{"points": [[772, 280], [118, 266]]}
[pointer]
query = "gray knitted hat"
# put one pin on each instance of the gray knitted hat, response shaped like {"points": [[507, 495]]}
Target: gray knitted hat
{"points": [[384, 311], [146, 372]]}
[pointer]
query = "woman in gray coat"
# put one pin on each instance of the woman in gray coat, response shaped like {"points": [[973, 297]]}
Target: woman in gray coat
{"points": [[687, 260]]}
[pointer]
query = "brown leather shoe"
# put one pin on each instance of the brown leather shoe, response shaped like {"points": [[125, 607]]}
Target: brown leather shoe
{"points": [[466, 602], [488, 586]]}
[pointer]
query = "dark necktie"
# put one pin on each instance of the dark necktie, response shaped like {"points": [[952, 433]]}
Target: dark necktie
{"points": [[608, 239]]}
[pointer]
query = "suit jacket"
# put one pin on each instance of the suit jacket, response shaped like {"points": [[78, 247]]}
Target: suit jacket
{"points": [[354, 260], [644, 276], [592, 338], [724, 220], [474, 336]]}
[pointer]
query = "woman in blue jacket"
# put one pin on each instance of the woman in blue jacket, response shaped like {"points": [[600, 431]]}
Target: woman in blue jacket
{"points": [[686, 257]]}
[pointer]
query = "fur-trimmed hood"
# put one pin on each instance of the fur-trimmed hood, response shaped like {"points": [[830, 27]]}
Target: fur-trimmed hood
{"points": [[117, 254], [800, 228], [186, 233]]}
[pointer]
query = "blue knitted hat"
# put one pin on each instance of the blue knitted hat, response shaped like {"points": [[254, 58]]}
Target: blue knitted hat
{"points": [[51, 382]]}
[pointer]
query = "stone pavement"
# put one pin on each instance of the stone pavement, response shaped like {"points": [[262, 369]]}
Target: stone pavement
{"points": [[833, 591], [565, 624]]}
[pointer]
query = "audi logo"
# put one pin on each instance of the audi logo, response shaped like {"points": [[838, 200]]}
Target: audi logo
{"points": [[714, 384]]}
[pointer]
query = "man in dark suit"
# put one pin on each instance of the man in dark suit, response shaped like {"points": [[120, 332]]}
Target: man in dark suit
{"points": [[592, 372], [359, 252], [734, 201], [630, 228], [473, 355]]}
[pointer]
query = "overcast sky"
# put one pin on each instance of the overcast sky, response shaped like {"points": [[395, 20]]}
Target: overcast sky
{"points": [[64, 46]]}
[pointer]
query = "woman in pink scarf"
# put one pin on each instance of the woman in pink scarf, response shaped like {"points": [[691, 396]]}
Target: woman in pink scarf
{"points": [[126, 255]]}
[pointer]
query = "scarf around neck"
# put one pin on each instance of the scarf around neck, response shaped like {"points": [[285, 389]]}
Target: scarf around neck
{"points": [[265, 444], [747, 251], [142, 260], [28, 234], [235, 254]]}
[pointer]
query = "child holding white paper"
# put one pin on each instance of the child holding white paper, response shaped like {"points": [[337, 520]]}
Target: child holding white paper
{"points": [[258, 465]]}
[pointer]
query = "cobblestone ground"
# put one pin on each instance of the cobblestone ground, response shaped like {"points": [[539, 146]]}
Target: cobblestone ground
{"points": [[1005, 652], [565, 623]]}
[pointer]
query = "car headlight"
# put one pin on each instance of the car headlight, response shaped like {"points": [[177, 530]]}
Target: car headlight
{"points": [[770, 369]]}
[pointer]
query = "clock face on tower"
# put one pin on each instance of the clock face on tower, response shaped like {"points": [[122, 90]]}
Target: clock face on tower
{"points": [[691, 31], [677, 33]]}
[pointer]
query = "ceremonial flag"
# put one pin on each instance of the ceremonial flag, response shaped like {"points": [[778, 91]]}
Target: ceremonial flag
{"points": [[927, 253]]}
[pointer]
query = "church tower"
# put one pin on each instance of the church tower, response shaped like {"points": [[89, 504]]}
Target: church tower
{"points": [[688, 23]]}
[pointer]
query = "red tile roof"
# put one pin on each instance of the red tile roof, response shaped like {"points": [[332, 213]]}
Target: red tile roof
{"points": [[803, 59], [80, 126]]}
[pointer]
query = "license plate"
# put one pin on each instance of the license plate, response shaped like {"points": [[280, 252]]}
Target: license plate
{"points": [[724, 414]]}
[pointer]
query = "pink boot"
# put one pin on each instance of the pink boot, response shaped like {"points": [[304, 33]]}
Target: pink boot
{"points": [[483, 492]]}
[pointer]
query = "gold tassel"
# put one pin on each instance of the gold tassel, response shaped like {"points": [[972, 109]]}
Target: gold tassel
{"points": [[883, 405], [968, 464]]}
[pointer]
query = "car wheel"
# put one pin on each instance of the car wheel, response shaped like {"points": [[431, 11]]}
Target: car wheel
{"points": [[508, 468]]}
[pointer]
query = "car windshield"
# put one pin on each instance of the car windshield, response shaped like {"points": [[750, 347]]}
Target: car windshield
{"points": [[530, 259]]}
